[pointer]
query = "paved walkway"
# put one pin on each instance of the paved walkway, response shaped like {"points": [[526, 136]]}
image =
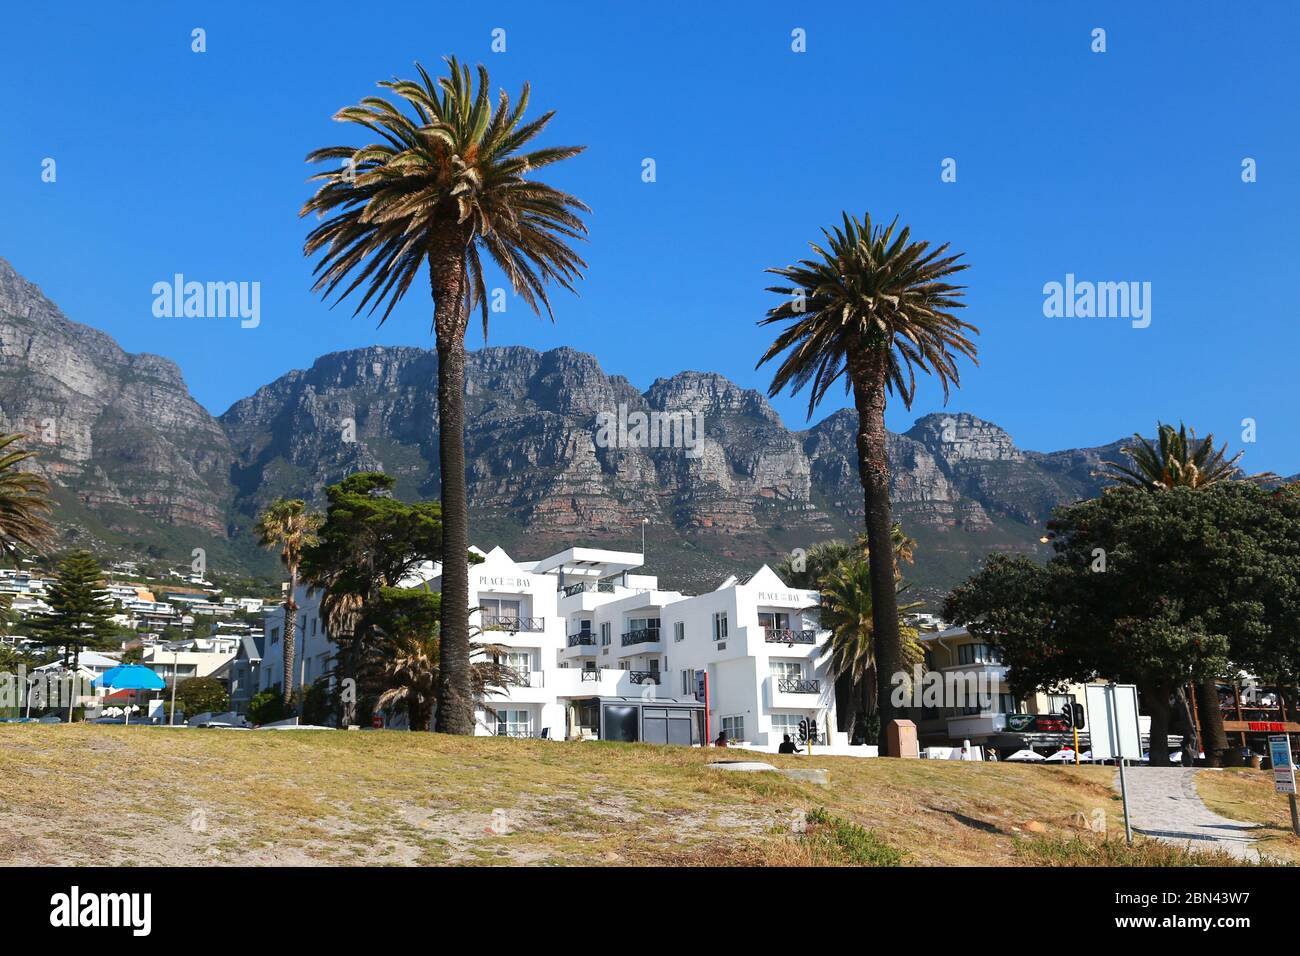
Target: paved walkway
{"points": [[1163, 803]]}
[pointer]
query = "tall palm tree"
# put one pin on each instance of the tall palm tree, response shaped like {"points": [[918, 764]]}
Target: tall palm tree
{"points": [[24, 502], [447, 186], [872, 307], [286, 524], [1178, 459], [847, 611]]}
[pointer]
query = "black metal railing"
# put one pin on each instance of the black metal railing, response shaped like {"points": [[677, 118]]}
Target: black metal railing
{"points": [[605, 587], [640, 635], [581, 637], [786, 635], [643, 677], [797, 685], [501, 622], [591, 675]]}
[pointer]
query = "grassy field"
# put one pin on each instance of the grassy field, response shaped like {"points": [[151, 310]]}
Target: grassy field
{"points": [[1248, 795], [94, 794]]}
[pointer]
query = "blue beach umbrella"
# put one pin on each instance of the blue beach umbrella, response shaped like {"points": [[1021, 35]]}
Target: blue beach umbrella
{"points": [[130, 677]]}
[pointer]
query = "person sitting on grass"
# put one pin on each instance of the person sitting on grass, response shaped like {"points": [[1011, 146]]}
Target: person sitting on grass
{"points": [[787, 746], [722, 739]]}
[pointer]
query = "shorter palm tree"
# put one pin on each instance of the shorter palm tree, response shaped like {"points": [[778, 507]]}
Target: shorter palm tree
{"points": [[814, 566], [847, 612], [24, 502], [409, 673], [1177, 459], [286, 524]]}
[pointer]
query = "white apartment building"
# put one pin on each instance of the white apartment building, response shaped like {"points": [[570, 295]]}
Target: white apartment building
{"points": [[605, 654]]}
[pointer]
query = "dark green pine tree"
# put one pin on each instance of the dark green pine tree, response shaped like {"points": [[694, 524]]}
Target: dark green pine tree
{"points": [[79, 616]]}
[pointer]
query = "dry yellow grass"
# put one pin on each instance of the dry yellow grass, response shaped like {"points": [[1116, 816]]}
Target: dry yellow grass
{"points": [[1248, 795], [114, 795]]}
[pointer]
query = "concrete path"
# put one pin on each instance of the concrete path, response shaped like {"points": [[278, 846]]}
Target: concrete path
{"points": [[1163, 803]]}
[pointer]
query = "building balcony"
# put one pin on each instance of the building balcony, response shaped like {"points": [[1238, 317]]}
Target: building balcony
{"points": [[602, 587], [786, 635], [795, 693], [792, 685], [498, 622], [602, 682], [581, 639], [641, 635]]}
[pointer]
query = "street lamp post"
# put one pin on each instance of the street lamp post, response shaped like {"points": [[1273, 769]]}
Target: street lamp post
{"points": [[175, 676]]}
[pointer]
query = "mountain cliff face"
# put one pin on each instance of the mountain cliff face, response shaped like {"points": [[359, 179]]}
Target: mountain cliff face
{"points": [[557, 452], [118, 433]]}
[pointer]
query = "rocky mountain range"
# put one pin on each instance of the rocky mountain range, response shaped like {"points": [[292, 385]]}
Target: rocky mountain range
{"points": [[141, 467]]}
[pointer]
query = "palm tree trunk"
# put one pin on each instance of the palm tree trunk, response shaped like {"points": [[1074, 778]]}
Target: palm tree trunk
{"points": [[455, 713], [1214, 739], [867, 368], [290, 626]]}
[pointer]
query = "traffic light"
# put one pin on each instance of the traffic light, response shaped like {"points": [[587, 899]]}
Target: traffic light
{"points": [[803, 731], [1072, 716]]}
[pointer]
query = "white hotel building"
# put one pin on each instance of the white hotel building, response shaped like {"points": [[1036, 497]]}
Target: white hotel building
{"points": [[608, 655]]}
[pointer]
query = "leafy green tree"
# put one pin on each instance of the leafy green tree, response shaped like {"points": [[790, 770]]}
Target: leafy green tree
{"points": [[1180, 460], [201, 695], [267, 706], [871, 308], [79, 612], [1157, 590], [288, 526], [447, 185], [368, 541]]}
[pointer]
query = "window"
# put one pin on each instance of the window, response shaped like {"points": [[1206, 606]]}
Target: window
{"points": [[979, 654], [679, 631], [514, 723], [604, 634], [786, 724], [734, 727], [313, 626], [499, 611], [275, 635], [773, 620], [1007, 704], [783, 670], [1057, 702], [688, 682], [719, 625], [521, 662]]}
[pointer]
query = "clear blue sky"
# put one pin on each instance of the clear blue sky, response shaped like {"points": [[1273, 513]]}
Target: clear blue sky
{"points": [[1117, 166]]}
